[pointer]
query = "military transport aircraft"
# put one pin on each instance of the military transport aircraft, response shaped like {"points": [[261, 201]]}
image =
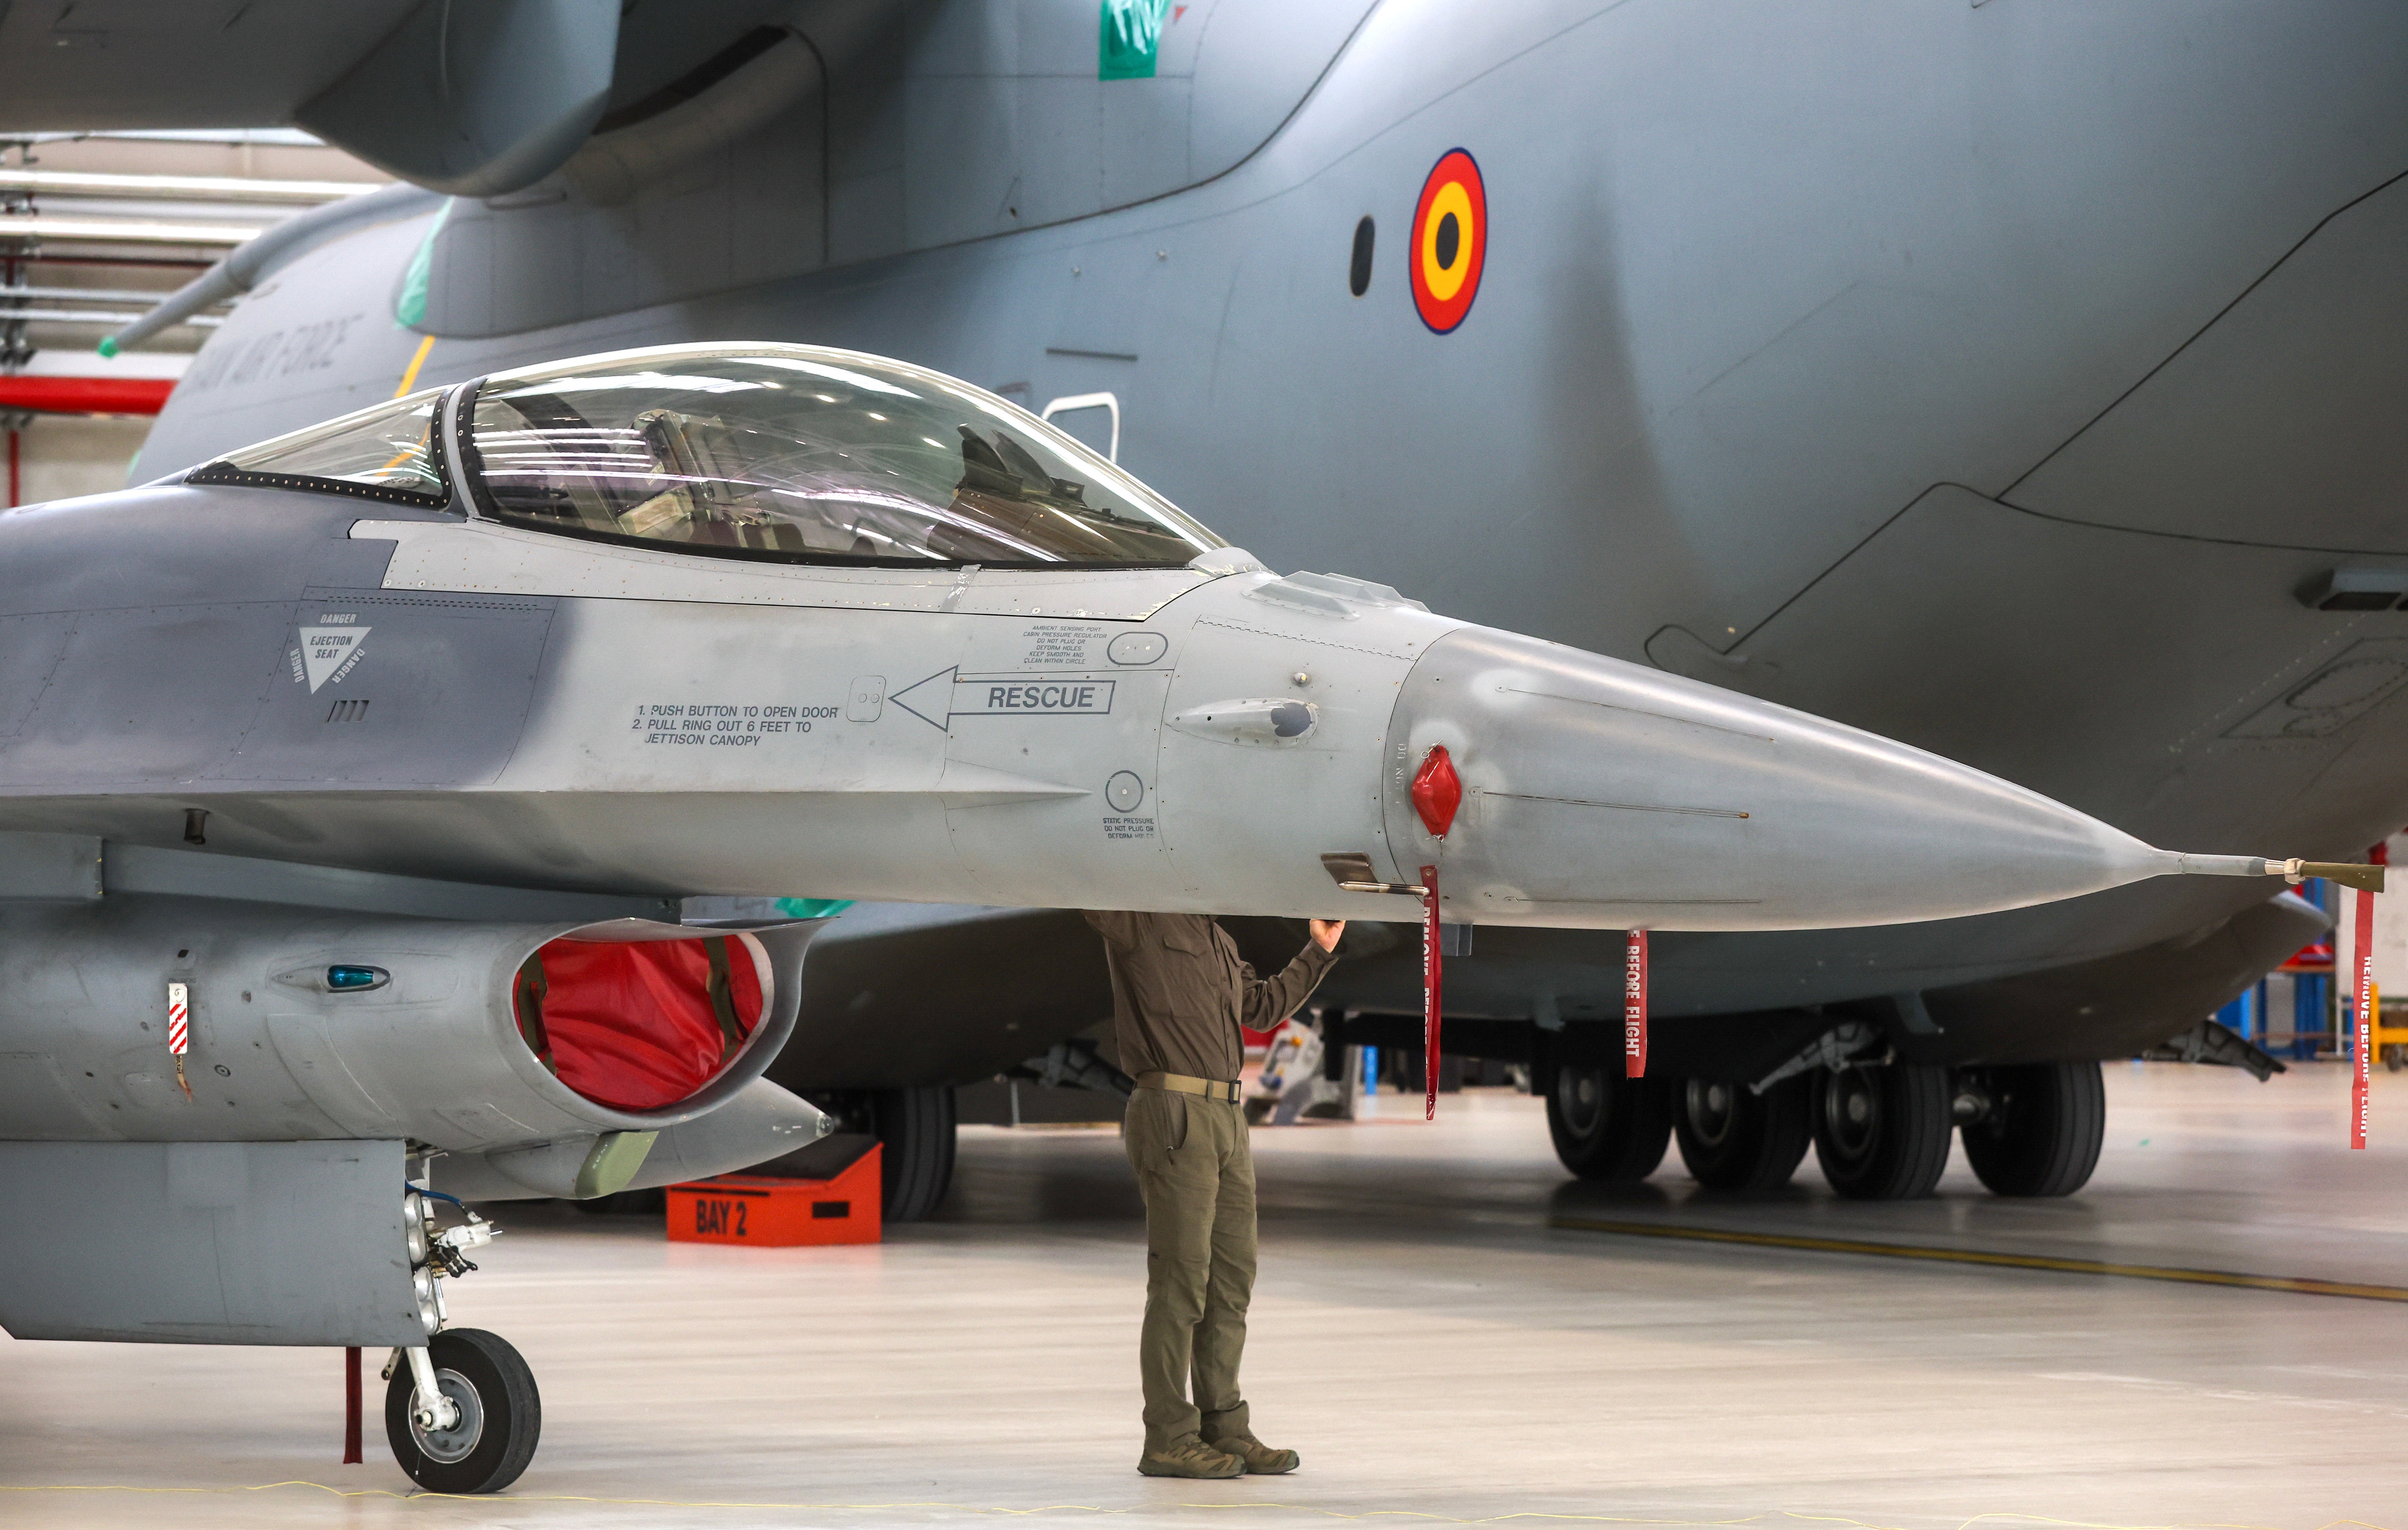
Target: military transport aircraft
{"points": [[287, 739], [2017, 380]]}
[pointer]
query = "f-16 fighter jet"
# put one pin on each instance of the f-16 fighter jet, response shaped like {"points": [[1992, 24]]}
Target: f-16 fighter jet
{"points": [[350, 781], [2015, 381]]}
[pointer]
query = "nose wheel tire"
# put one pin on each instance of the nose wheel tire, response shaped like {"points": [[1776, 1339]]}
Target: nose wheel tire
{"points": [[500, 1415], [1608, 1127], [1882, 1133], [2044, 1129], [1733, 1140]]}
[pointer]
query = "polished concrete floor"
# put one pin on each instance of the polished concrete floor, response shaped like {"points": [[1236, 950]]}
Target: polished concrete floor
{"points": [[1434, 1347]]}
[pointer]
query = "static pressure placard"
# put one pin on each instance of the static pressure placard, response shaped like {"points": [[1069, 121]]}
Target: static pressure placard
{"points": [[1449, 240]]}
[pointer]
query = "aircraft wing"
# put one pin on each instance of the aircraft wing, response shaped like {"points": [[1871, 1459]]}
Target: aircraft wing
{"points": [[135, 65], [472, 100]]}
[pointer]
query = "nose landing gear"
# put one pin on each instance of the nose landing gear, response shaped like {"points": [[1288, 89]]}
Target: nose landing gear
{"points": [[460, 1411], [464, 1415]]}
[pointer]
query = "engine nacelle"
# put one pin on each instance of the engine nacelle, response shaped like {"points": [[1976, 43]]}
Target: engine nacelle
{"points": [[533, 1045]]}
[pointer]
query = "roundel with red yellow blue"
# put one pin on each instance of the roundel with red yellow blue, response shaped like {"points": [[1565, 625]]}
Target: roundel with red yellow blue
{"points": [[1449, 240]]}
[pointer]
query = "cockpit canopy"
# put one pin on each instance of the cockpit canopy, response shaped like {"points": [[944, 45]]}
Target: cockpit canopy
{"points": [[782, 452], [391, 451]]}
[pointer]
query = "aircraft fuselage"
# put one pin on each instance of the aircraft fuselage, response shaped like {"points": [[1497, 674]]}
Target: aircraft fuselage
{"points": [[1993, 385]]}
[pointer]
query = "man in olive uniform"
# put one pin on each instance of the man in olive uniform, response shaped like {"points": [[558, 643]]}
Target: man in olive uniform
{"points": [[1180, 992]]}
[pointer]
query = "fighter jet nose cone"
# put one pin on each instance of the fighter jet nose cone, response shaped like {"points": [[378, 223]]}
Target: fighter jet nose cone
{"points": [[1599, 793]]}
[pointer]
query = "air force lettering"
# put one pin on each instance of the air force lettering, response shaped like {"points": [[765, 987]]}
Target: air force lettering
{"points": [[948, 694]]}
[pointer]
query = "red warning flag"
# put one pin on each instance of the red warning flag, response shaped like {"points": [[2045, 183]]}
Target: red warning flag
{"points": [[1430, 992], [352, 1406], [2362, 949], [1634, 1005]]}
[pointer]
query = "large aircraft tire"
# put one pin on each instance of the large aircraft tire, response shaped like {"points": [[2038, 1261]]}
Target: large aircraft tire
{"points": [[915, 1134], [1608, 1127], [501, 1415], [1733, 1140], [1882, 1133], [2044, 1131]]}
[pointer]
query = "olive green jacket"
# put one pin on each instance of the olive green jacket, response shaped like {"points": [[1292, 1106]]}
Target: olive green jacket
{"points": [[1180, 992]]}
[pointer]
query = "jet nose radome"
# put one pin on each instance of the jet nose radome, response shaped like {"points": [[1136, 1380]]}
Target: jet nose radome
{"points": [[1599, 793]]}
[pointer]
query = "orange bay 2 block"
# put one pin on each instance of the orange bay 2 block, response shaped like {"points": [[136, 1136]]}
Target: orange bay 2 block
{"points": [[770, 1212]]}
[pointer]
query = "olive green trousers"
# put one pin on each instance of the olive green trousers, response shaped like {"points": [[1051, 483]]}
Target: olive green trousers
{"points": [[1197, 1175]]}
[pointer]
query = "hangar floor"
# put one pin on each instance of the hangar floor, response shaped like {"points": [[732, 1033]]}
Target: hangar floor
{"points": [[1434, 1347]]}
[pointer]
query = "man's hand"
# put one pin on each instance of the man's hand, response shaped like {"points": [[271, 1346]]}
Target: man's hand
{"points": [[1325, 932]]}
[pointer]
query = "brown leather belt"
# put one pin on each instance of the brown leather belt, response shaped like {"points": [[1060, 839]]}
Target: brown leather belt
{"points": [[1179, 1083]]}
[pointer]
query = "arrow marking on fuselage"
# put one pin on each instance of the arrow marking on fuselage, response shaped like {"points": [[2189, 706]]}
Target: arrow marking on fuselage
{"points": [[948, 694]]}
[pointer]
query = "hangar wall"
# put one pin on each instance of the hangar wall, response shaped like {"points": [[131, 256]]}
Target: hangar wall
{"points": [[83, 248], [60, 456]]}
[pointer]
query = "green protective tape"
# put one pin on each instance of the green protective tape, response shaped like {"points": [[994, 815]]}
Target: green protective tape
{"points": [[813, 908], [108, 345], [410, 309], [612, 1163], [1130, 39]]}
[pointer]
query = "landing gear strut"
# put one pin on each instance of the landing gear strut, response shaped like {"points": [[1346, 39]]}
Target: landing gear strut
{"points": [[1734, 1139], [1606, 1126], [1882, 1133]]}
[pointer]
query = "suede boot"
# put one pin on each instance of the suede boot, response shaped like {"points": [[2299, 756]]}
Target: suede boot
{"points": [[1260, 1458], [1190, 1457]]}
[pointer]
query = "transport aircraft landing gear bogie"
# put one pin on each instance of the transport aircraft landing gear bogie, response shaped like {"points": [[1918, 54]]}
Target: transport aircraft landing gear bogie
{"points": [[1882, 1133], [479, 1431], [2034, 1128], [1607, 1127], [915, 1129], [1736, 1140]]}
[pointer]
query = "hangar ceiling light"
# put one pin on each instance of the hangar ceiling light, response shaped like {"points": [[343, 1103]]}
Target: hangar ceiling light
{"points": [[213, 188], [121, 231]]}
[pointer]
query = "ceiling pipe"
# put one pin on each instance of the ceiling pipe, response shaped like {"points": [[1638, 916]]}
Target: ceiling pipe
{"points": [[242, 269], [208, 188]]}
